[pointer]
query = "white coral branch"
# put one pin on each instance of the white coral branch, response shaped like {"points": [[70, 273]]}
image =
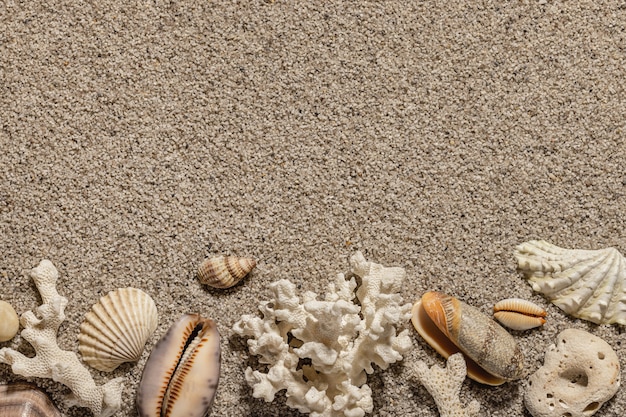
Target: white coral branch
{"points": [[321, 351], [445, 386], [40, 330]]}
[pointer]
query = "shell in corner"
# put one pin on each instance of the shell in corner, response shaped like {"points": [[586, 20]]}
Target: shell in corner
{"points": [[25, 400], [588, 284], [9, 322], [117, 328], [224, 271], [182, 373]]}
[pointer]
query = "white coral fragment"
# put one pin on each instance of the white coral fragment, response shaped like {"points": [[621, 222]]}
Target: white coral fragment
{"points": [[445, 386], [320, 351], [579, 374], [40, 330]]}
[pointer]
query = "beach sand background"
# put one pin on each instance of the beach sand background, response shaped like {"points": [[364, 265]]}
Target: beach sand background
{"points": [[138, 138]]}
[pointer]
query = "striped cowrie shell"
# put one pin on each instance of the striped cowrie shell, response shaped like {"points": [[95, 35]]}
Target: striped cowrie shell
{"points": [[519, 314]]}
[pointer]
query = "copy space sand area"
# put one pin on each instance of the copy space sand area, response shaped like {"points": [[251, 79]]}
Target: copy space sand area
{"points": [[138, 138]]}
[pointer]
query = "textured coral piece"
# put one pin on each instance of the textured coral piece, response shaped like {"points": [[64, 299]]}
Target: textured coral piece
{"points": [[445, 386], [40, 330], [519, 314], [321, 351], [117, 328], [578, 375], [25, 400], [224, 271], [588, 284]]}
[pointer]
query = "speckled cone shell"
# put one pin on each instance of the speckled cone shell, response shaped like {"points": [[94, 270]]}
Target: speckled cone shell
{"points": [[182, 373], [588, 284], [224, 271], [450, 326], [117, 328], [25, 400]]}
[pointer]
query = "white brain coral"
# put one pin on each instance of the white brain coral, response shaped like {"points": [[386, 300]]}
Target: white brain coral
{"points": [[320, 351]]}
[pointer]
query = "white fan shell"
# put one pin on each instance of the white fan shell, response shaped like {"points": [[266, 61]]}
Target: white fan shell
{"points": [[588, 284], [117, 328]]}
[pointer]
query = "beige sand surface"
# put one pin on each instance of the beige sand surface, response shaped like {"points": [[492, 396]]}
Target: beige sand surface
{"points": [[138, 137]]}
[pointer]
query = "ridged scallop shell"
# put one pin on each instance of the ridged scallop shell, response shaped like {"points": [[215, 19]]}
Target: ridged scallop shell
{"points": [[519, 314], [224, 271], [588, 284], [117, 328], [450, 326], [182, 373], [25, 400]]}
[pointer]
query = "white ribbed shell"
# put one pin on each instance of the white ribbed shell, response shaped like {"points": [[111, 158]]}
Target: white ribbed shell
{"points": [[117, 328], [588, 284]]}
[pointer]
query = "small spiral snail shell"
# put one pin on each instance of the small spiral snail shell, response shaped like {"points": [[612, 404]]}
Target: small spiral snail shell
{"points": [[224, 271], [450, 326]]}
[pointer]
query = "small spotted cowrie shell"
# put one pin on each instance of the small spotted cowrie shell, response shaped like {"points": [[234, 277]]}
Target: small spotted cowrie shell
{"points": [[519, 314], [224, 271]]}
